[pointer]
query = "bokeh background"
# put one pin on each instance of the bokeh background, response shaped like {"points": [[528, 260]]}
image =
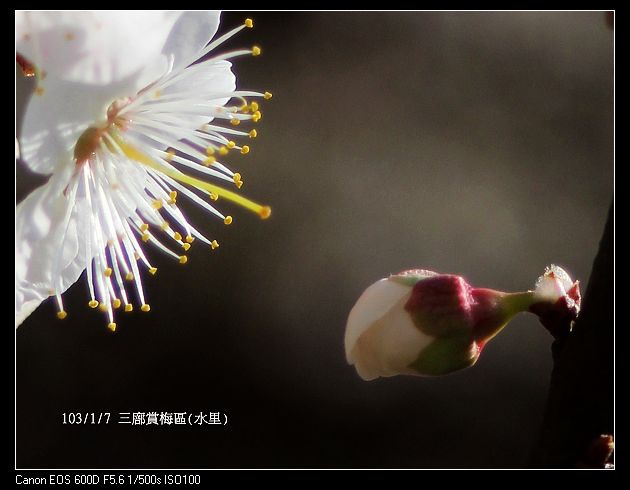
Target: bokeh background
{"points": [[472, 143]]}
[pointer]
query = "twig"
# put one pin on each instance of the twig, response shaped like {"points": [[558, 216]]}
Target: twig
{"points": [[580, 401]]}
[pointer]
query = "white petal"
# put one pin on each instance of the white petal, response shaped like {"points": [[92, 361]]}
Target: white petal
{"points": [[191, 32], [56, 118], [217, 77], [39, 219], [561, 275], [27, 306], [390, 345], [553, 284], [213, 78], [373, 304], [93, 47], [549, 289]]}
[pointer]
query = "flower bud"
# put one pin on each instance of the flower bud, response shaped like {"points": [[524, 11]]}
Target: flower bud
{"points": [[420, 322], [557, 300]]}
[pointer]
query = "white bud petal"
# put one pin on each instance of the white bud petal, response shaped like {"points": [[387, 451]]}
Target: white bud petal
{"points": [[381, 338], [553, 284]]}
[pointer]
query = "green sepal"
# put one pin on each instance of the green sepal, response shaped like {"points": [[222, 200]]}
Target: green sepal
{"points": [[410, 279], [445, 355]]}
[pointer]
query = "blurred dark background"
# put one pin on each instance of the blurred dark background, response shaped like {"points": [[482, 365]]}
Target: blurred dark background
{"points": [[472, 143]]}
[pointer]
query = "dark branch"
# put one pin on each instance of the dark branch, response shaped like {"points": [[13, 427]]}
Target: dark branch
{"points": [[580, 402]]}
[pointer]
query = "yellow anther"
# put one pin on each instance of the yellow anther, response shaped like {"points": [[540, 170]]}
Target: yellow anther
{"points": [[213, 196], [253, 133], [103, 307], [172, 201], [230, 144], [214, 244], [245, 150], [144, 227], [128, 307], [256, 116], [235, 122], [107, 272], [228, 220], [249, 23], [177, 236], [152, 270], [129, 276], [254, 106], [164, 226], [223, 150], [209, 161], [112, 327], [117, 303], [237, 180], [172, 195], [189, 239], [145, 307], [93, 303], [61, 314], [209, 151], [267, 95], [265, 212], [244, 108], [183, 259], [186, 246], [145, 238], [157, 204], [256, 51], [169, 155]]}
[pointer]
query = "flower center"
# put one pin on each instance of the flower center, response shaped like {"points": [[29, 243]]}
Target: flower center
{"points": [[90, 139]]}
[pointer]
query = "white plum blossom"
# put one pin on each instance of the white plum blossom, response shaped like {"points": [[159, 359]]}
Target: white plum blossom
{"points": [[132, 111]]}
